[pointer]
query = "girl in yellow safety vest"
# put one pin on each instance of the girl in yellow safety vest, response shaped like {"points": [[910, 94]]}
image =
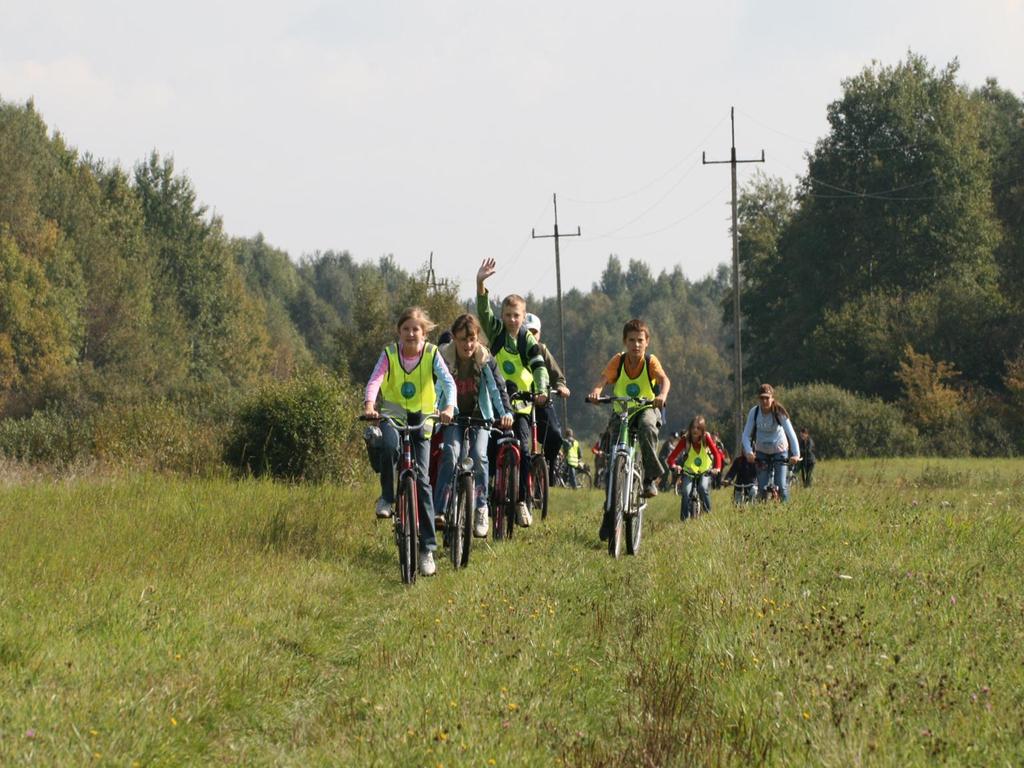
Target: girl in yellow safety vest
{"points": [[412, 381], [699, 458]]}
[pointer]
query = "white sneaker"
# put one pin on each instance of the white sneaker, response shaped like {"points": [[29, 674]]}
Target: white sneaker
{"points": [[384, 508], [482, 523], [427, 567], [523, 516]]}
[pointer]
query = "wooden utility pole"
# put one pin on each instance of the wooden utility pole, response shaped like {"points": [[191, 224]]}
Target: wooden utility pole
{"points": [[558, 287], [738, 348]]}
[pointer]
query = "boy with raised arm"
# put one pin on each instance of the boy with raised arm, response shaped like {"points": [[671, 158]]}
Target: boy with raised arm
{"points": [[635, 373], [520, 363]]}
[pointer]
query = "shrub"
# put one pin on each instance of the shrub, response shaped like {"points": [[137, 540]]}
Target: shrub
{"points": [[846, 425], [303, 429], [46, 437], [159, 435]]}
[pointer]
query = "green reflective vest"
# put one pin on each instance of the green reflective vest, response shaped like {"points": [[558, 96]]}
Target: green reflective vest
{"points": [[411, 391], [641, 386]]}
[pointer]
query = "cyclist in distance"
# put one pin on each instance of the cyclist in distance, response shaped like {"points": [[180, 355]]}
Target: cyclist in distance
{"points": [[547, 418], [520, 363], [636, 373], [573, 459], [480, 392], [769, 440], [700, 458], [413, 382]]}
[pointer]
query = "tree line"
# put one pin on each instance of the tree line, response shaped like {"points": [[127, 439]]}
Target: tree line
{"points": [[891, 273]]}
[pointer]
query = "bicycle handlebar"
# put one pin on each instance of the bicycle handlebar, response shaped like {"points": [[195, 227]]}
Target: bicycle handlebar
{"points": [[605, 399], [401, 426]]}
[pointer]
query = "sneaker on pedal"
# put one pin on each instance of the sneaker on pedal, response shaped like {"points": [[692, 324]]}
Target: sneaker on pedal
{"points": [[650, 490], [427, 566], [481, 523], [523, 516], [384, 508], [439, 521]]}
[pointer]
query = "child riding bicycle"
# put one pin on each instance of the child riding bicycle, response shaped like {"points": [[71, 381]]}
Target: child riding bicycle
{"points": [[636, 373], [697, 456], [520, 363], [412, 382], [769, 439], [480, 393]]}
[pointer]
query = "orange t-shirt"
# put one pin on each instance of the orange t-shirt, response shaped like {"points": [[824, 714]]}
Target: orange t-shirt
{"points": [[611, 371]]}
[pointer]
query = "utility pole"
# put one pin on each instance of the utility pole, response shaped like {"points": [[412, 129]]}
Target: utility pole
{"points": [[558, 286], [738, 348], [431, 279]]}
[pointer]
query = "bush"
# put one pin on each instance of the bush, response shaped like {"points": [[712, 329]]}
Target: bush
{"points": [[304, 429], [46, 437], [847, 425], [160, 435]]}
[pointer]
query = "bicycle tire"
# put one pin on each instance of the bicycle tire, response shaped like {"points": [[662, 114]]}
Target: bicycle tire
{"points": [[506, 491], [465, 506], [584, 481], [405, 524], [620, 501], [635, 519], [539, 485]]}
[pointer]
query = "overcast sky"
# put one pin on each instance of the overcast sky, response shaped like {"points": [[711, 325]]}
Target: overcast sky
{"points": [[445, 126]]}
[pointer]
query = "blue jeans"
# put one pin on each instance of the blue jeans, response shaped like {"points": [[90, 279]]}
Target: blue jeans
{"points": [[740, 495], [572, 475], [449, 458], [389, 458], [772, 466], [702, 481]]}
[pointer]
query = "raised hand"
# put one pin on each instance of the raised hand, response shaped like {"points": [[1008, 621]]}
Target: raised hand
{"points": [[487, 268]]}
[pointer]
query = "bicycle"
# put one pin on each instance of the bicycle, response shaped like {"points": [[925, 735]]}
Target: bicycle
{"points": [[460, 505], [743, 493], [583, 477], [407, 507], [505, 491], [537, 480], [697, 507], [624, 504], [771, 491]]}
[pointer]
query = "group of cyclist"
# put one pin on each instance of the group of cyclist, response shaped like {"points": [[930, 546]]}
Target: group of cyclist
{"points": [[485, 361]]}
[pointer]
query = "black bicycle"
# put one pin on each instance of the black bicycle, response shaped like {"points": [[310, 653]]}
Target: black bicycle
{"points": [[561, 473], [537, 480], [460, 501]]}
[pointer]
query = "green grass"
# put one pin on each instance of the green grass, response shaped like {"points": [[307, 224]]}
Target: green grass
{"points": [[878, 619]]}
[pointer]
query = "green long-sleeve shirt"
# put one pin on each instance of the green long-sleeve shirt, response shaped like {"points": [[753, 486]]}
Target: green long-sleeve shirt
{"points": [[494, 328]]}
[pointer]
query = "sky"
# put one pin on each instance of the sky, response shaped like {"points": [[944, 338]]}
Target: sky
{"points": [[407, 128]]}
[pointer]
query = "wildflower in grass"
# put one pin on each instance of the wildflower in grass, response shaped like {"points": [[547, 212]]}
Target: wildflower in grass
{"points": [[807, 715], [174, 722], [491, 761], [94, 732], [30, 733], [512, 706]]}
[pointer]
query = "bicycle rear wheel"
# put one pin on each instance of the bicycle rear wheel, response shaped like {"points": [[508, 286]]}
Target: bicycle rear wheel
{"points": [[539, 485], [620, 503], [635, 517], [405, 528]]}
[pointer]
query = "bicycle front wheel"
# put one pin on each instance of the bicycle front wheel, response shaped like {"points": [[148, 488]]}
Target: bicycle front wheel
{"points": [[584, 481], [539, 485], [635, 515], [620, 503], [503, 503], [406, 519], [463, 531]]}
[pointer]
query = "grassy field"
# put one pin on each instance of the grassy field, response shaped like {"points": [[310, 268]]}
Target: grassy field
{"points": [[878, 619]]}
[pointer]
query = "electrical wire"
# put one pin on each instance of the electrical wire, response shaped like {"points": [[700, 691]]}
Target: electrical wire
{"points": [[667, 227], [650, 184]]}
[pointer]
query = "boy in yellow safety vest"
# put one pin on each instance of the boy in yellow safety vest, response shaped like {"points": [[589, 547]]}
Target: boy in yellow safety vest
{"points": [[521, 365], [573, 460], [635, 373]]}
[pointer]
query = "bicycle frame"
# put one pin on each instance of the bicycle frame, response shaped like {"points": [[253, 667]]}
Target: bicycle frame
{"points": [[623, 443]]}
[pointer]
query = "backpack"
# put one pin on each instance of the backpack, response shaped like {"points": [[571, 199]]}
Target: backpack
{"points": [[753, 432], [499, 342]]}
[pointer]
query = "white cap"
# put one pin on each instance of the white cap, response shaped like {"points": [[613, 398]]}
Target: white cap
{"points": [[532, 322]]}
